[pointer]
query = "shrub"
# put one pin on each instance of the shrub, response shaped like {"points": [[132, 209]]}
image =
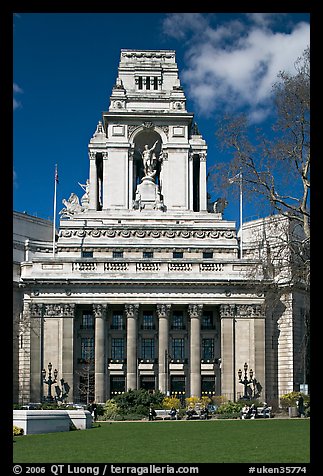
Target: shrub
{"points": [[230, 408], [138, 401], [170, 402], [17, 431], [290, 399], [110, 410]]}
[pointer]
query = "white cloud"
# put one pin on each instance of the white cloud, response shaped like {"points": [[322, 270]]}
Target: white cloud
{"points": [[234, 64], [16, 90]]}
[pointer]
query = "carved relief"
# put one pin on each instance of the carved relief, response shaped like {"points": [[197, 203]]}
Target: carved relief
{"points": [[59, 310], [131, 310], [195, 310], [250, 311], [227, 310], [163, 310], [99, 310], [128, 233], [35, 310]]}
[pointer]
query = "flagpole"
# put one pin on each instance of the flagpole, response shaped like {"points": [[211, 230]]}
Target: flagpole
{"points": [[241, 233], [54, 218]]}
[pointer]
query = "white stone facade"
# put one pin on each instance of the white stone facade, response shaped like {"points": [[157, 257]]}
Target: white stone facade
{"points": [[146, 288]]}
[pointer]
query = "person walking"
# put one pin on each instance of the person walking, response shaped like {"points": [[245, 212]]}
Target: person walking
{"points": [[300, 406]]}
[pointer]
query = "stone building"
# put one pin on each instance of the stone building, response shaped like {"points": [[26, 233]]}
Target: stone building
{"points": [[146, 288]]}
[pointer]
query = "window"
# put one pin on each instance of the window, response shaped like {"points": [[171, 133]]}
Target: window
{"points": [[155, 82], [148, 348], [178, 349], [178, 320], [117, 320], [147, 82], [178, 254], [117, 254], [117, 384], [207, 320], [117, 349], [207, 385], [87, 320], [207, 254], [147, 254], [207, 349], [148, 321], [87, 348], [140, 82], [87, 254]]}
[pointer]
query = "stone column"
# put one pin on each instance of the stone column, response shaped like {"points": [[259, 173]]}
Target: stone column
{"points": [[130, 174], [131, 312], [93, 194], [190, 179], [68, 348], [227, 314], [100, 362], [203, 194], [163, 313], [195, 312]]}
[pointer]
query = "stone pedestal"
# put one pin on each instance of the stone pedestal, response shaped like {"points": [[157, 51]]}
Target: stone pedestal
{"points": [[148, 195]]}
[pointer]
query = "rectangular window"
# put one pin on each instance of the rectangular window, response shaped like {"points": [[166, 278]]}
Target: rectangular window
{"points": [[148, 348], [140, 82], [178, 320], [178, 254], [207, 254], [207, 349], [155, 83], [117, 254], [87, 320], [148, 82], [117, 320], [147, 254], [87, 254], [87, 348], [178, 349], [207, 320], [117, 384], [147, 321], [117, 349]]}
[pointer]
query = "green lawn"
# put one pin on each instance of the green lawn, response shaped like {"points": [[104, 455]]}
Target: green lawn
{"points": [[213, 441]]}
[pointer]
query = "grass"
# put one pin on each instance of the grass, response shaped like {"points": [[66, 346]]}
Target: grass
{"points": [[213, 441]]}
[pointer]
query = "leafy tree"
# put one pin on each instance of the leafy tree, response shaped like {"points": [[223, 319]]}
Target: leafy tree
{"points": [[275, 166]]}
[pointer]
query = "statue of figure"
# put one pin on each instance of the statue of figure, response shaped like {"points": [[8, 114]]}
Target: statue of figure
{"points": [[86, 187], [149, 160], [72, 205], [219, 205]]}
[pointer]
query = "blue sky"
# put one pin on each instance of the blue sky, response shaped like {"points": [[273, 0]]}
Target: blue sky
{"points": [[65, 65]]}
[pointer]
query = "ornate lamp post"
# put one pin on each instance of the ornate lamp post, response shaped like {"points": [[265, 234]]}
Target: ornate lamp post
{"points": [[49, 380], [245, 382]]}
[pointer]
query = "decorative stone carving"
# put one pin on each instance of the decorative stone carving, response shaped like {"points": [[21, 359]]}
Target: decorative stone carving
{"points": [[250, 310], [219, 205], [35, 310], [227, 310], [99, 310], [195, 310], [72, 206], [131, 310], [59, 310], [129, 233], [163, 310]]}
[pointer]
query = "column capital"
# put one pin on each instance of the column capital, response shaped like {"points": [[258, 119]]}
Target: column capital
{"points": [[99, 310], [227, 310], [34, 309], [131, 310], [59, 310], [163, 310], [252, 311], [195, 310]]}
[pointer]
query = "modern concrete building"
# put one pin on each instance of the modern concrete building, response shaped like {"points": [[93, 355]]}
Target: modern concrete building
{"points": [[146, 288]]}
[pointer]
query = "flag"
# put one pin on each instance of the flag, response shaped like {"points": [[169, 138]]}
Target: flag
{"points": [[56, 174]]}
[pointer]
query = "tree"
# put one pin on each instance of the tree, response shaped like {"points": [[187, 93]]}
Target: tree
{"points": [[275, 166]]}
